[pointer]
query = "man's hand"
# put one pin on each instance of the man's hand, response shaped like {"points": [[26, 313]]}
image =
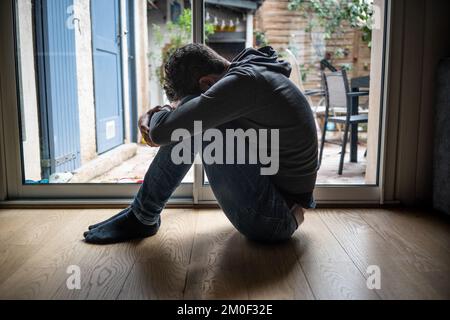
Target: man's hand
{"points": [[144, 123]]}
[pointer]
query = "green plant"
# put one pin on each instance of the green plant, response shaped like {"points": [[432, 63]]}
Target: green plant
{"points": [[331, 15], [177, 34], [304, 70], [346, 66], [261, 39]]}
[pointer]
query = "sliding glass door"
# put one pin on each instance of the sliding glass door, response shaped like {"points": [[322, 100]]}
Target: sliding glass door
{"points": [[86, 69]]}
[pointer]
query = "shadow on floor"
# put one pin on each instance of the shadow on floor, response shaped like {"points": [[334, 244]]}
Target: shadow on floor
{"points": [[223, 266]]}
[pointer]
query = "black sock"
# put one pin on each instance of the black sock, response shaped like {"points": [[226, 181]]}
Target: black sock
{"points": [[125, 211], [123, 227]]}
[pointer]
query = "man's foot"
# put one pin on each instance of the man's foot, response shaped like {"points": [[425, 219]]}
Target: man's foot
{"points": [[108, 220], [121, 228]]}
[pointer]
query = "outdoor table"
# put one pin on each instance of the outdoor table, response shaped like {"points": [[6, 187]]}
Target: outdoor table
{"points": [[356, 85]]}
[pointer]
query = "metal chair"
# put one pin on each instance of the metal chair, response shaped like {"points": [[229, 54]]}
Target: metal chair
{"points": [[325, 64], [339, 96]]}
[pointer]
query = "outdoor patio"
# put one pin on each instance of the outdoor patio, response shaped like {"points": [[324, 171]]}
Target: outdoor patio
{"points": [[134, 169]]}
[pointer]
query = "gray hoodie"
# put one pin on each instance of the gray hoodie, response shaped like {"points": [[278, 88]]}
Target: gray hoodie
{"points": [[257, 93]]}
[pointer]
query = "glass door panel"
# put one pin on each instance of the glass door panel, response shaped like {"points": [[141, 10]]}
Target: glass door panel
{"points": [[84, 78], [318, 47]]}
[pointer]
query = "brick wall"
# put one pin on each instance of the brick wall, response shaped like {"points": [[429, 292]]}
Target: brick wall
{"points": [[286, 29]]}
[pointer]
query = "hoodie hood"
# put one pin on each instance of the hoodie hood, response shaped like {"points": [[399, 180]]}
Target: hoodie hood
{"points": [[265, 57]]}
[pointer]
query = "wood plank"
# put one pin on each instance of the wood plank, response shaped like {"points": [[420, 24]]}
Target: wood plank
{"points": [[274, 272], [40, 229], [215, 271], [104, 270], [32, 283], [162, 261], [337, 281], [357, 237], [423, 241], [225, 265], [399, 280], [10, 222], [23, 234], [328, 269], [44, 272], [314, 242], [417, 244], [435, 228], [13, 257]]}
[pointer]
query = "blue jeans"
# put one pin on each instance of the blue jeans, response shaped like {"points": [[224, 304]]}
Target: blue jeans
{"points": [[250, 201]]}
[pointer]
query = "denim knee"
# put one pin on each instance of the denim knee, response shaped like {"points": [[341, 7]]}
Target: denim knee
{"points": [[259, 228]]}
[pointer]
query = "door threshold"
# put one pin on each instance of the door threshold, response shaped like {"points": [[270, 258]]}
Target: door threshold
{"points": [[173, 204], [84, 203]]}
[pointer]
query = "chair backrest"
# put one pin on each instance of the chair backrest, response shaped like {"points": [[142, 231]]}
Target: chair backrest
{"points": [[325, 64], [296, 74], [336, 89]]}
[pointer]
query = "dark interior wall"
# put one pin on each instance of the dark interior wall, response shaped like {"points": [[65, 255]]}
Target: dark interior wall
{"points": [[2, 156], [6, 93], [436, 47], [419, 40]]}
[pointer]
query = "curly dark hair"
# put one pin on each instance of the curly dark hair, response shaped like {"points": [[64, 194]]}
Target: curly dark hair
{"points": [[186, 66]]}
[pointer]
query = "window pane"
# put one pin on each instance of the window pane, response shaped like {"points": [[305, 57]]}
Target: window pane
{"points": [[168, 30], [336, 41], [85, 77]]}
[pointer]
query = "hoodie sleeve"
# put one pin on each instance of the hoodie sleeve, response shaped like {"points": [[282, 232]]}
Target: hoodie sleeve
{"points": [[231, 98]]}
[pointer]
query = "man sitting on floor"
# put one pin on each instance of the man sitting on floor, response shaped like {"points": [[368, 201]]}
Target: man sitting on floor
{"points": [[251, 93]]}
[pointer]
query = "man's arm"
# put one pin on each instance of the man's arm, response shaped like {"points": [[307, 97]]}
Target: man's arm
{"points": [[144, 123], [229, 99]]}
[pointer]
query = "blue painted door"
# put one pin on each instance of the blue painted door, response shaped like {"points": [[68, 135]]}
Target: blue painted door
{"points": [[58, 92], [107, 73]]}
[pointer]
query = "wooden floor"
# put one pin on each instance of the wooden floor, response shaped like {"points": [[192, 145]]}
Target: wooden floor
{"points": [[198, 255]]}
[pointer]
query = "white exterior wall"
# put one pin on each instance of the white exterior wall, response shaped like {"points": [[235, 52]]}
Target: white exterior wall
{"points": [[142, 61], [31, 145], [85, 75], [155, 17]]}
